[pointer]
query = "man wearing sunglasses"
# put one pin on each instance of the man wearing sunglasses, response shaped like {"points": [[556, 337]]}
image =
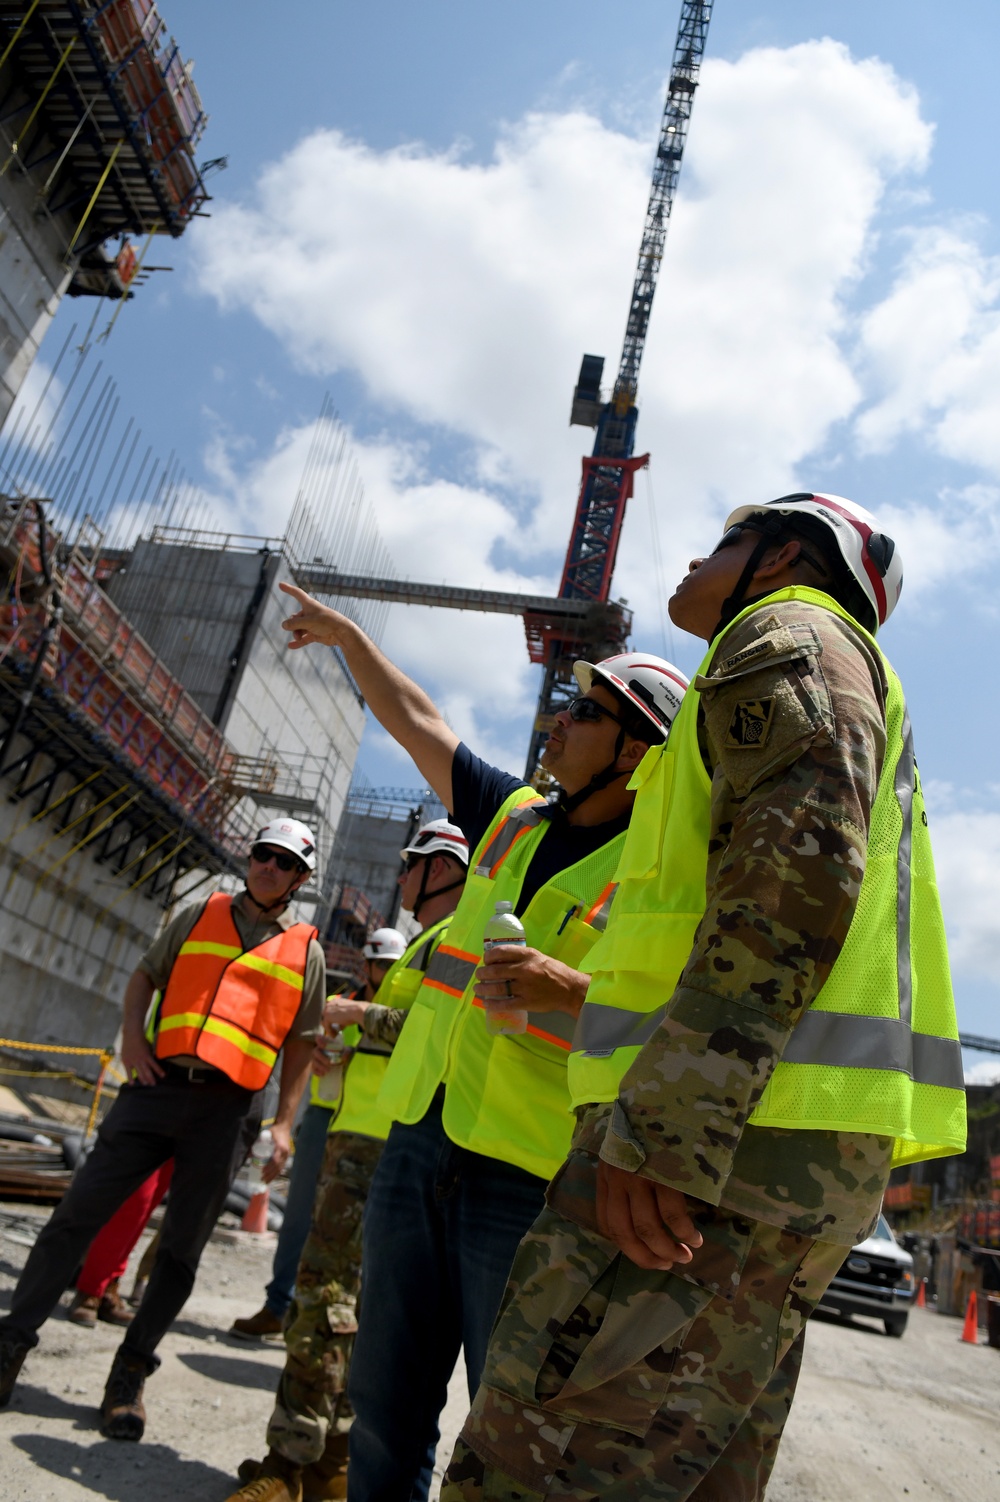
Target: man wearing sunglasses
{"points": [[228, 984], [768, 1028], [480, 1121]]}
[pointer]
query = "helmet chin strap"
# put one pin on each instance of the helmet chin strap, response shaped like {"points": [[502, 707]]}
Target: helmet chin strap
{"points": [[770, 529], [567, 802], [423, 896]]}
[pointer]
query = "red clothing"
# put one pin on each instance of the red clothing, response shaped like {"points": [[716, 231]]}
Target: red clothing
{"points": [[112, 1246]]}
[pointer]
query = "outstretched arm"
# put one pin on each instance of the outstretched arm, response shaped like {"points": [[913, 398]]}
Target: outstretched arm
{"points": [[400, 705]]}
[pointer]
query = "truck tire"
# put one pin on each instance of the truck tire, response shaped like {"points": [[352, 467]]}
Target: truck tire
{"points": [[895, 1324]]}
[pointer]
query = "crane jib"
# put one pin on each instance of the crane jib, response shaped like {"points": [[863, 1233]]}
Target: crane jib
{"points": [[609, 474]]}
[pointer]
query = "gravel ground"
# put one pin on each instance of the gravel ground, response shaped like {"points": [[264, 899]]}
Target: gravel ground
{"points": [[874, 1419]]}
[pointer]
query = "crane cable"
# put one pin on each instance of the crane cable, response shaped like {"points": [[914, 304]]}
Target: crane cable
{"points": [[666, 626]]}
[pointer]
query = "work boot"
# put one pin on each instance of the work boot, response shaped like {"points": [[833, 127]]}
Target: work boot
{"points": [[83, 1310], [275, 1480], [264, 1322], [326, 1479], [122, 1413], [112, 1308], [12, 1354]]}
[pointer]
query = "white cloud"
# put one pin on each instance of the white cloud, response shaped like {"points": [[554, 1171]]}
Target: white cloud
{"points": [[987, 1073], [951, 536], [465, 293], [932, 347], [967, 859]]}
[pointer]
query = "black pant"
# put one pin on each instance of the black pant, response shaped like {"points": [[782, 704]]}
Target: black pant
{"points": [[208, 1129]]}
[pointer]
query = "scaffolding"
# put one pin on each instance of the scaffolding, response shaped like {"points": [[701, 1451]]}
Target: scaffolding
{"points": [[91, 699], [99, 108]]}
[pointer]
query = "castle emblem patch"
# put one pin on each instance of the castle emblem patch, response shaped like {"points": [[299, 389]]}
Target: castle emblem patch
{"points": [[750, 724]]}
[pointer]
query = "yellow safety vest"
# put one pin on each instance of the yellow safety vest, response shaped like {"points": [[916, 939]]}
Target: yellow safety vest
{"points": [[506, 1095], [878, 1049], [357, 1109]]}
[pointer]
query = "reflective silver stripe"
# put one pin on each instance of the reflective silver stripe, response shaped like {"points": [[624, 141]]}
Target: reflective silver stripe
{"points": [[525, 815], [843, 1041], [418, 959], [451, 970], [838, 1039], [556, 1024], [599, 920], [602, 1029], [903, 784]]}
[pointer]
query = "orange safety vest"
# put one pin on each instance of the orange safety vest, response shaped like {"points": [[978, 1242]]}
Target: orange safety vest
{"points": [[230, 1006]]}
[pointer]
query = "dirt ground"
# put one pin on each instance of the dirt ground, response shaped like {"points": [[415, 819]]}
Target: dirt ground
{"points": [[874, 1419]]}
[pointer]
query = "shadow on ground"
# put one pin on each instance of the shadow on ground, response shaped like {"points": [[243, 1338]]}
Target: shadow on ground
{"points": [[124, 1473], [236, 1371]]}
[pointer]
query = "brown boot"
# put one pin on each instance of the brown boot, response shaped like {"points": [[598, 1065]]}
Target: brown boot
{"points": [[277, 1480], [264, 1322], [83, 1310], [112, 1309], [122, 1413], [326, 1479]]}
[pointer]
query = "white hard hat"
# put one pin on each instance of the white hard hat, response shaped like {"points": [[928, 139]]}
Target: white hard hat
{"points": [[651, 684], [872, 559], [293, 835], [439, 837], [384, 944]]}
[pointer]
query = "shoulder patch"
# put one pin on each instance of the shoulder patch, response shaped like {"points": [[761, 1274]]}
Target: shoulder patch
{"points": [[750, 724]]}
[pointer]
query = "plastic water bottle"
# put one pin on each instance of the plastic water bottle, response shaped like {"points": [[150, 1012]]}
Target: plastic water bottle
{"points": [[260, 1154], [504, 928], [331, 1083]]}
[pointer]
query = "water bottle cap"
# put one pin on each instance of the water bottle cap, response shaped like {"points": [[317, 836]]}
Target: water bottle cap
{"points": [[505, 907]]}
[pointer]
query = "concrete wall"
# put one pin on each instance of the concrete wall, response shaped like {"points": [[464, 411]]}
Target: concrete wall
{"points": [[191, 605], [70, 936], [33, 278], [303, 707]]}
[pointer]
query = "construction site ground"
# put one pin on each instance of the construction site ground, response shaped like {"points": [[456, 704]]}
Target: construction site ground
{"points": [[875, 1418]]}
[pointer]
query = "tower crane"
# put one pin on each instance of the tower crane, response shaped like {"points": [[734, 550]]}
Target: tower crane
{"points": [[582, 621], [609, 473]]}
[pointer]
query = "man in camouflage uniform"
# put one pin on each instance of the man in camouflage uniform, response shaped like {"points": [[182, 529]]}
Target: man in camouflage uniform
{"points": [[308, 1430], [651, 1333]]}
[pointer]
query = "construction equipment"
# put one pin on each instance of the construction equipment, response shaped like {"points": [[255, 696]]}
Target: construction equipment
{"points": [[609, 473], [582, 620]]}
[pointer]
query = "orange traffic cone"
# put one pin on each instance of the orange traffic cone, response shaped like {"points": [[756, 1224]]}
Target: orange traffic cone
{"points": [[255, 1215], [922, 1294], [970, 1330]]}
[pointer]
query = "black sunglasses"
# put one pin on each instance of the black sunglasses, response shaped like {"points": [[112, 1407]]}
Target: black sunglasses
{"points": [[735, 533], [411, 860], [263, 854], [589, 712]]}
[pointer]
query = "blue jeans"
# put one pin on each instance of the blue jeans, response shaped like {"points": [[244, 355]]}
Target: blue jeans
{"points": [[440, 1231], [310, 1142]]}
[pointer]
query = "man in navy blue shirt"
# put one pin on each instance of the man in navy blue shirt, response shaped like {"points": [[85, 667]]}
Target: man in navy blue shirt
{"points": [[435, 1271]]}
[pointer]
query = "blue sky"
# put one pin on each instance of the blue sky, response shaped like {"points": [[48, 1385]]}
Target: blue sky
{"points": [[432, 211]]}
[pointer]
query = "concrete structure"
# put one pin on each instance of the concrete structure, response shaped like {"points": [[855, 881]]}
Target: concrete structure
{"points": [[99, 119], [151, 727], [210, 607]]}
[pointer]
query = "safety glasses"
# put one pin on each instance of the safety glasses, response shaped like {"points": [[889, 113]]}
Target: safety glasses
{"points": [[589, 712], [734, 534], [264, 854]]}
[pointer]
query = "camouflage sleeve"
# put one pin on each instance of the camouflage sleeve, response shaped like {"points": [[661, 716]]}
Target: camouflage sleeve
{"points": [[383, 1024], [793, 728]]}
